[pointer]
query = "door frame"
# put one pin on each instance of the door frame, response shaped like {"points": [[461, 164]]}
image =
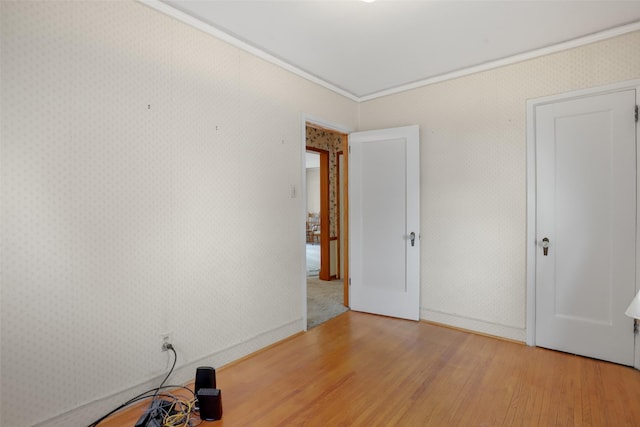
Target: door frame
{"points": [[343, 211], [335, 127], [531, 247]]}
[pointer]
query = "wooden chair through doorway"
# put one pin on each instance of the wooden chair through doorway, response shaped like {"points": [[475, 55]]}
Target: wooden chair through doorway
{"points": [[313, 228]]}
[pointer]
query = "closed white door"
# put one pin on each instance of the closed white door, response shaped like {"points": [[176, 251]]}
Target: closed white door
{"points": [[586, 216], [384, 222]]}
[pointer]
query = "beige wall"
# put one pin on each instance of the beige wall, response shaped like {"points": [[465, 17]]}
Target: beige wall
{"points": [[146, 187], [473, 170]]}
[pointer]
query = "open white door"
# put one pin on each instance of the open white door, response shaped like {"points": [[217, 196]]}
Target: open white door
{"points": [[384, 222]]}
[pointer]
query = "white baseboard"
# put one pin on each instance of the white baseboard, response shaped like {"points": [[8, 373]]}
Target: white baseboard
{"points": [[488, 328], [183, 374]]}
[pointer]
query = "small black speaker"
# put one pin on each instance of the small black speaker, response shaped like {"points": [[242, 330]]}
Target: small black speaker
{"points": [[210, 400], [205, 378]]}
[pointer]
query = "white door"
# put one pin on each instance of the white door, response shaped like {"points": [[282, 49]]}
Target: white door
{"points": [[384, 222], [586, 208]]}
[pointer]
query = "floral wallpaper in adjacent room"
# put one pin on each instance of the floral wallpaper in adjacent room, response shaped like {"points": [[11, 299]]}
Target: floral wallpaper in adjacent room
{"points": [[331, 142]]}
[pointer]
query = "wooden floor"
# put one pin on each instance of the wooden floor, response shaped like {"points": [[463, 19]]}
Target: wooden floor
{"points": [[366, 370]]}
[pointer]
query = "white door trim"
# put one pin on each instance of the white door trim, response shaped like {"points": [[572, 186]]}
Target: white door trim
{"points": [[531, 197], [308, 118]]}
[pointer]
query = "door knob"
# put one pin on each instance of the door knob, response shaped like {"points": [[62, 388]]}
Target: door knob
{"points": [[545, 246], [412, 236]]}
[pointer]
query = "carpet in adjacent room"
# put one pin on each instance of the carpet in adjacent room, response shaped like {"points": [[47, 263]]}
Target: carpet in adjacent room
{"points": [[324, 300]]}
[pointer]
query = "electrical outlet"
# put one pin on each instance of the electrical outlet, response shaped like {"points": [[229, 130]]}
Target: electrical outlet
{"points": [[166, 340]]}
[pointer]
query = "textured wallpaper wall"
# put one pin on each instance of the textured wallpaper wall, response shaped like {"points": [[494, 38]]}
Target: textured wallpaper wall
{"points": [[146, 177], [473, 177]]}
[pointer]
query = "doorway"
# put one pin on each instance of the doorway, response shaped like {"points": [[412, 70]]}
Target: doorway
{"points": [[318, 226], [326, 242], [582, 228], [313, 213]]}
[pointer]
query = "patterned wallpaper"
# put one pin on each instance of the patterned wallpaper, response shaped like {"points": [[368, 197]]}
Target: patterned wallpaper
{"points": [[331, 142], [145, 185]]}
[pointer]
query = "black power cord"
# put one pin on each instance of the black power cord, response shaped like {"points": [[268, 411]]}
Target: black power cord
{"points": [[146, 394], [175, 359]]}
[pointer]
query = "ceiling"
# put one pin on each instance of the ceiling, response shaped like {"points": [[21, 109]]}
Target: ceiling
{"points": [[364, 50]]}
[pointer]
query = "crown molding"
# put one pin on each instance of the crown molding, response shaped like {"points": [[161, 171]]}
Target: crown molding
{"points": [[211, 30], [219, 34], [514, 59]]}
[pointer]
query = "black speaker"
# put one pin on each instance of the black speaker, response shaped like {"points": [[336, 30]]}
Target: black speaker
{"points": [[210, 400], [205, 378]]}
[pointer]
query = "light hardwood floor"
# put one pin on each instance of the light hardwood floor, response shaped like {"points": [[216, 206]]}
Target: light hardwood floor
{"points": [[365, 370]]}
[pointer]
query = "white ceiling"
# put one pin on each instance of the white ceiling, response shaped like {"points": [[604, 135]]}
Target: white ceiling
{"points": [[364, 50]]}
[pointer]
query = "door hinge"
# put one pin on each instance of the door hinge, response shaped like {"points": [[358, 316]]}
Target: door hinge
{"points": [[635, 326], [636, 114], [636, 120], [349, 281]]}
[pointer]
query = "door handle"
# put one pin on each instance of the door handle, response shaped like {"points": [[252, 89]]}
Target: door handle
{"points": [[545, 246], [412, 236]]}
